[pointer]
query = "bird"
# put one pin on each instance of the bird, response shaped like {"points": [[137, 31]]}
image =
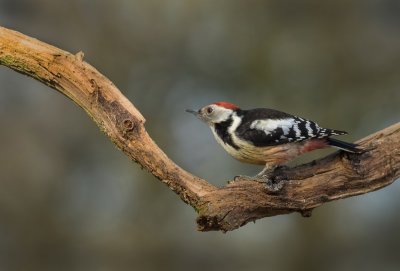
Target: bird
{"points": [[266, 136]]}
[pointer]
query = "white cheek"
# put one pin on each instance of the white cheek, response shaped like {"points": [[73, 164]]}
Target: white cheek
{"points": [[221, 115]]}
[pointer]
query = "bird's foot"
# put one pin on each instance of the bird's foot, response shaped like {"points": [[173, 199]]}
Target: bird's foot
{"points": [[266, 177], [272, 185], [241, 178]]}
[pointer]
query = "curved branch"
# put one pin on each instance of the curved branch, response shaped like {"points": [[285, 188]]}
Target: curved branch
{"points": [[337, 176], [308, 186]]}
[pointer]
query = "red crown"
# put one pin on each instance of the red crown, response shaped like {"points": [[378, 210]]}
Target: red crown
{"points": [[227, 105]]}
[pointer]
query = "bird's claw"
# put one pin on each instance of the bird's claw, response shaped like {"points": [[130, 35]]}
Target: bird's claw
{"points": [[270, 185], [274, 185], [243, 178]]}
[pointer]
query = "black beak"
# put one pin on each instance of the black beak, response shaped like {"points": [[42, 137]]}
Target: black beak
{"points": [[196, 113]]}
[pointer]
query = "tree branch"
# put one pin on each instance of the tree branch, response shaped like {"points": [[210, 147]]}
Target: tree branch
{"points": [[308, 186]]}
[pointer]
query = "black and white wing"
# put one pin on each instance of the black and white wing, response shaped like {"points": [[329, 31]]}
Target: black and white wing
{"points": [[267, 127]]}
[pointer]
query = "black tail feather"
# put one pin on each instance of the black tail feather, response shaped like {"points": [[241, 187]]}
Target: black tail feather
{"points": [[346, 146]]}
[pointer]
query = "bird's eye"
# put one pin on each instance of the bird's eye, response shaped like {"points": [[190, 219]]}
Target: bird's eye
{"points": [[209, 110]]}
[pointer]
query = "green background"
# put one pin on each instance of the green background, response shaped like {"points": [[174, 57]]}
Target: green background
{"points": [[69, 200]]}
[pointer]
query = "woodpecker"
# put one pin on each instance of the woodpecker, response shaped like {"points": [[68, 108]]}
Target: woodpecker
{"points": [[266, 136]]}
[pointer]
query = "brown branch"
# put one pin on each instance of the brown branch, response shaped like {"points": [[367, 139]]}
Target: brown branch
{"points": [[308, 186]]}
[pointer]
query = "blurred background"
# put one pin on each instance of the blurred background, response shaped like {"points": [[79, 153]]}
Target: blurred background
{"points": [[69, 200]]}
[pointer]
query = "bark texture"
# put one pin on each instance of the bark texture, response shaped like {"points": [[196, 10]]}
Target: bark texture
{"points": [[307, 186]]}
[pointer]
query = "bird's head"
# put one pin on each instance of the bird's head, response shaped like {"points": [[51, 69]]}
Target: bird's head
{"points": [[215, 113]]}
